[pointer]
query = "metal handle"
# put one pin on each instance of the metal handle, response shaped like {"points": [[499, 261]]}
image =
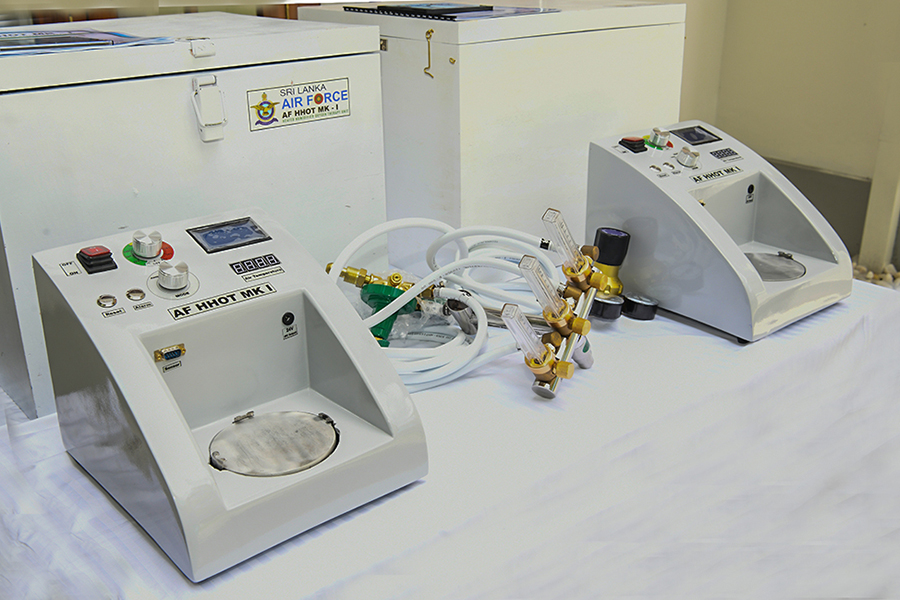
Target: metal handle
{"points": [[428, 35], [209, 107]]}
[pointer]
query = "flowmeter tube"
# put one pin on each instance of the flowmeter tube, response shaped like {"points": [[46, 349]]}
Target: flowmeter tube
{"points": [[554, 307], [540, 357], [526, 338], [563, 242]]}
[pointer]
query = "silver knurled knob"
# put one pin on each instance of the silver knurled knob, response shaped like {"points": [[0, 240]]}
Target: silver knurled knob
{"points": [[688, 157], [146, 245], [659, 137], [173, 276]]}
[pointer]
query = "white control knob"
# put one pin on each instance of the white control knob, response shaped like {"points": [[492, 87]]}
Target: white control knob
{"points": [[173, 276], [146, 245], [659, 137], [688, 157]]}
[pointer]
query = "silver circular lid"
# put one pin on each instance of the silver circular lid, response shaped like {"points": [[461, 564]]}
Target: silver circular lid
{"points": [[272, 444], [776, 267]]}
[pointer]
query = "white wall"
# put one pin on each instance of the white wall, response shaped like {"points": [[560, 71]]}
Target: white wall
{"points": [[704, 38], [803, 81]]}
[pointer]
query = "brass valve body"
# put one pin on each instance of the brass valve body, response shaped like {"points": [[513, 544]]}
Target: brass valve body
{"points": [[606, 280], [361, 277], [580, 278], [567, 323], [548, 368]]}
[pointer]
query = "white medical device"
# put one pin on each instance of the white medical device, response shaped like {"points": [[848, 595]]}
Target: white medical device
{"points": [[220, 387], [488, 113], [197, 114], [718, 234]]}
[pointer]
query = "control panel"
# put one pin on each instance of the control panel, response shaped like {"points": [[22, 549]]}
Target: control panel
{"points": [[171, 271], [689, 150]]}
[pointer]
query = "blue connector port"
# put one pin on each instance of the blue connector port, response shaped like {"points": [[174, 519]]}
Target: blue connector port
{"points": [[169, 353]]}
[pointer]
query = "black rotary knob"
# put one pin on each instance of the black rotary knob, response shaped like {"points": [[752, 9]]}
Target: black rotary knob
{"points": [[613, 245]]}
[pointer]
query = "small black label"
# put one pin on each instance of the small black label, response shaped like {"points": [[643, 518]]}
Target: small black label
{"points": [[716, 174], [221, 301], [262, 274]]}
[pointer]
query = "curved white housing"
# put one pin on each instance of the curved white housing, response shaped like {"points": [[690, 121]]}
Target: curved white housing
{"points": [[692, 228], [260, 328]]}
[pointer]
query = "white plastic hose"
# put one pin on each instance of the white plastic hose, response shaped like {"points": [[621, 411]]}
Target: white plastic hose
{"points": [[496, 248], [367, 236]]}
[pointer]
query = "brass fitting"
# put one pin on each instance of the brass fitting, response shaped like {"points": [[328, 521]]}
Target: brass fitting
{"points": [[567, 323], [580, 326], [553, 338], [606, 280], [565, 369], [358, 277], [580, 278], [548, 368], [571, 345], [592, 252], [572, 292], [361, 277]]}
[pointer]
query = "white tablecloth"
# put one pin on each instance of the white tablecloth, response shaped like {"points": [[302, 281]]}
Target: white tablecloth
{"points": [[681, 465]]}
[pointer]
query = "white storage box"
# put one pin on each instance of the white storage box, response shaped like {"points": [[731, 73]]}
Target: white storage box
{"points": [[500, 128], [103, 140]]}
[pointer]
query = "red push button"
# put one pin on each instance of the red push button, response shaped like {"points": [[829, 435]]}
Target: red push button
{"points": [[95, 251], [96, 259], [633, 143]]}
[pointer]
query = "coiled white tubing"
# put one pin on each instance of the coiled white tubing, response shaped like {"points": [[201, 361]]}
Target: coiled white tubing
{"points": [[497, 248]]}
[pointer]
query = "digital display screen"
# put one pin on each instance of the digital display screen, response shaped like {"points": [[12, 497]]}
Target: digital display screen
{"points": [[696, 135], [228, 235], [255, 264]]}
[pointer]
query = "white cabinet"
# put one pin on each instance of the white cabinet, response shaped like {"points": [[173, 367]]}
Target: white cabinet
{"points": [[104, 140], [499, 127]]}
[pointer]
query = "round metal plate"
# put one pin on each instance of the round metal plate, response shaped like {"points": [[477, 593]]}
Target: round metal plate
{"points": [[273, 444], [776, 267]]}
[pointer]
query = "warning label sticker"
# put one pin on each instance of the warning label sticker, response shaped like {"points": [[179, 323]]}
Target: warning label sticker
{"points": [[298, 103]]}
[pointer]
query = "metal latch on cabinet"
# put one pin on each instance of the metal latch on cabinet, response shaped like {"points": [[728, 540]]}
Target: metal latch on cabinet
{"points": [[209, 106], [428, 35], [202, 47]]}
